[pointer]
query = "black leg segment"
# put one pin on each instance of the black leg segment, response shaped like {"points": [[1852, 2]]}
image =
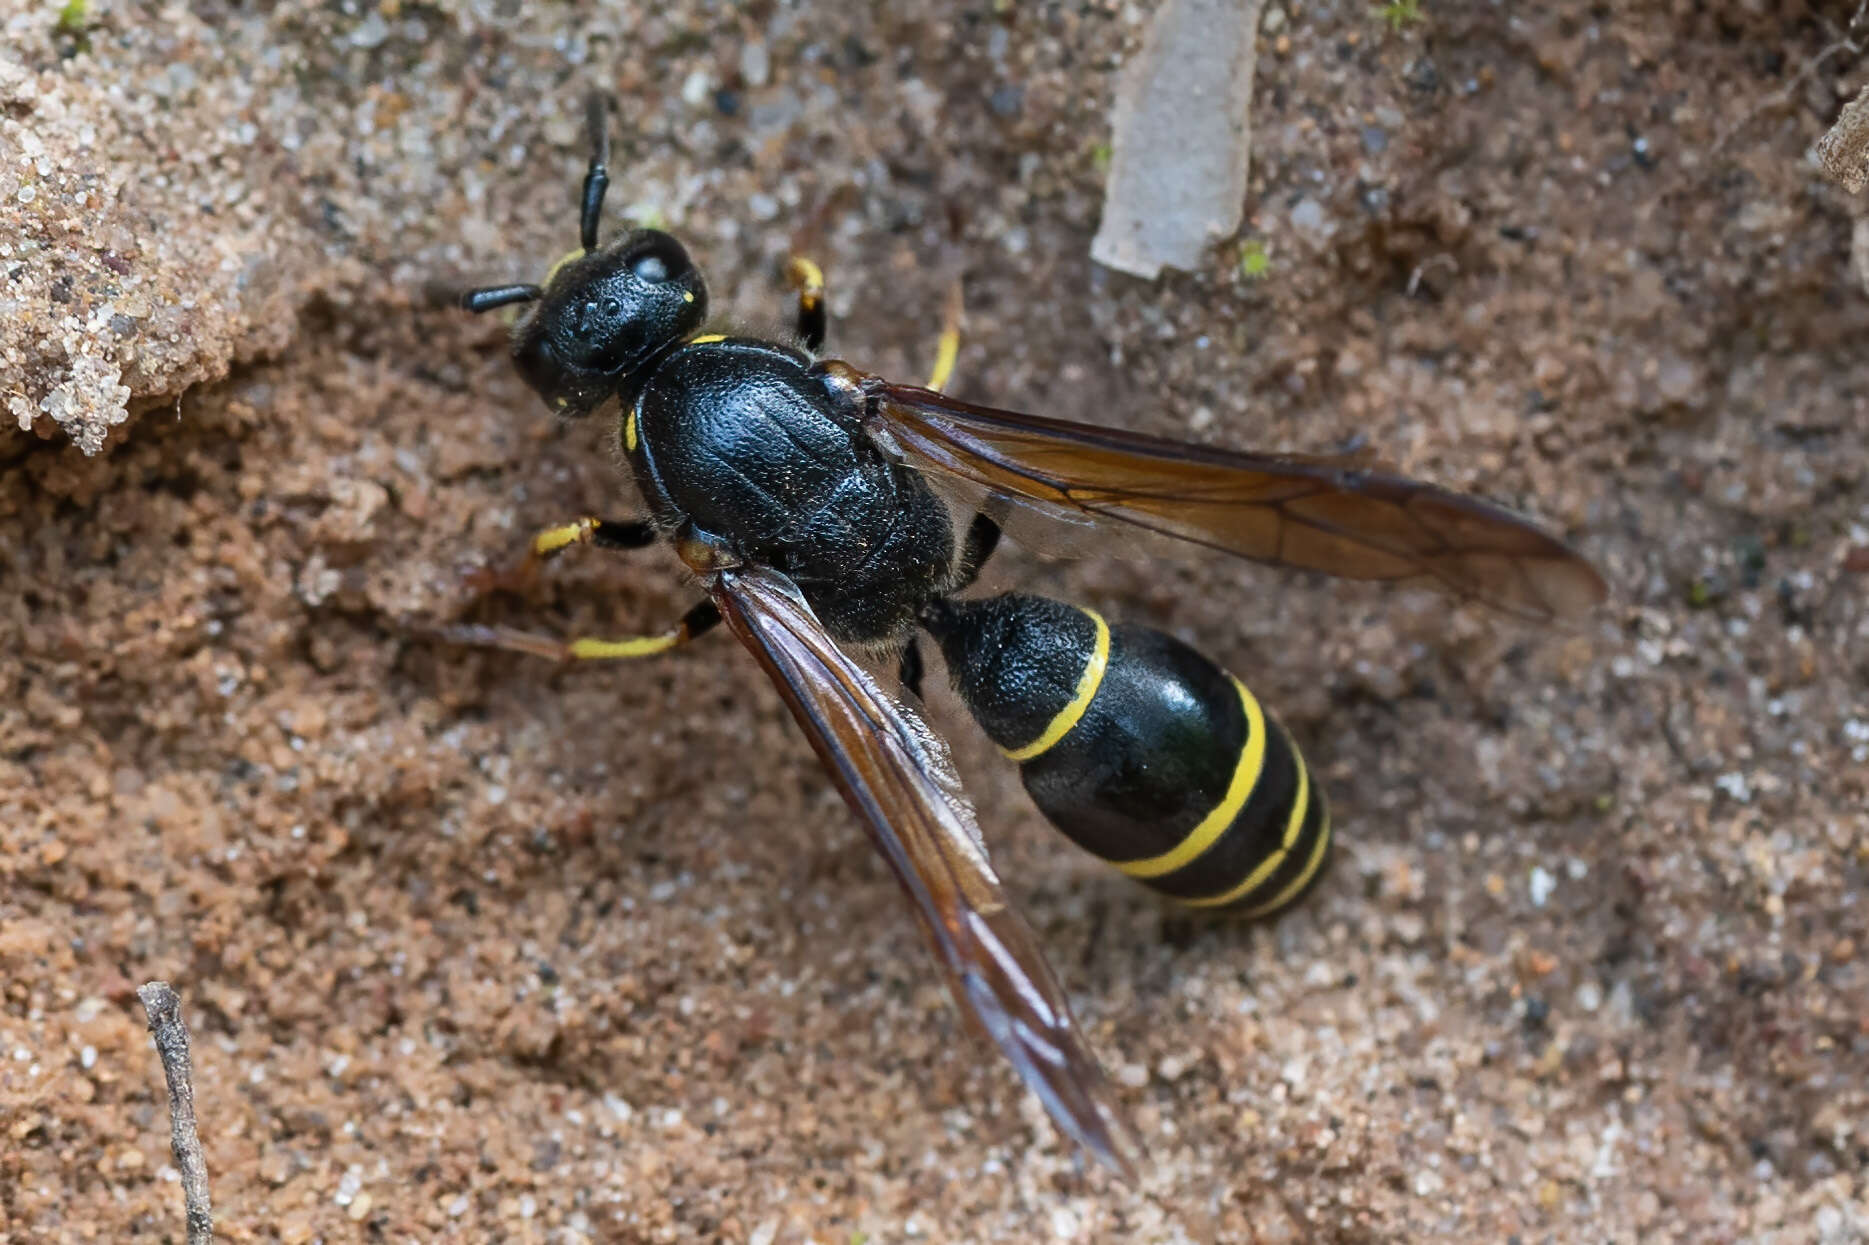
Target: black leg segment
{"points": [[629, 534], [808, 279], [910, 672], [982, 540]]}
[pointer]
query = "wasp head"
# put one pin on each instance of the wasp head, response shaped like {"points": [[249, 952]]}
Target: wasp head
{"points": [[602, 315]]}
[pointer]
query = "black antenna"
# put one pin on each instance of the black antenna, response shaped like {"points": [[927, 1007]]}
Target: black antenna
{"points": [[597, 180], [487, 297]]}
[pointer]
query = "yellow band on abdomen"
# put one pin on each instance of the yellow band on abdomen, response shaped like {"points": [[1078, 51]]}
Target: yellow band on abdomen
{"points": [[1303, 880], [1087, 685], [1294, 823], [1212, 826]]}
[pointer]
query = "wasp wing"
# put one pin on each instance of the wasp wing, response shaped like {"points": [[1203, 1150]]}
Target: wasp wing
{"points": [[1308, 513], [895, 772]]}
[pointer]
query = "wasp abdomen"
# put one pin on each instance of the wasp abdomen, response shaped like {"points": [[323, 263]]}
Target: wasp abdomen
{"points": [[1141, 750]]}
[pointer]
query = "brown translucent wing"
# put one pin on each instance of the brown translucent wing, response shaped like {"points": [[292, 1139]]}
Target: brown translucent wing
{"points": [[895, 772], [1308, 513]]}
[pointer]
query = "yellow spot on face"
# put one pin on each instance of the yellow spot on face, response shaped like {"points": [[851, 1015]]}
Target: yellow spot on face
{"points": [[705, 338], [629, 431], [1300, 805], [636, 646], [1245, 778], [1087, 685], [687, 296]]}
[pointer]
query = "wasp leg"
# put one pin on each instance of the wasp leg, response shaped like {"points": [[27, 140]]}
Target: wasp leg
{"points": [[597, 179], [910, 672], [982, 539], [807, 278], [589, 530], [947, 346], [697, 621]]}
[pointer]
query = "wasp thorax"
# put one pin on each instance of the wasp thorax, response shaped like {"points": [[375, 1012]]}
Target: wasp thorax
{"points": [[604, 315]]}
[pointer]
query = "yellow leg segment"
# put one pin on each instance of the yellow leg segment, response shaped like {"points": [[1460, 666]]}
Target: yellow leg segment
{"points": [[804, 276], [552, 541], [813, 320], [586, 648], [578, 532], [583, 648], [947, 348]]}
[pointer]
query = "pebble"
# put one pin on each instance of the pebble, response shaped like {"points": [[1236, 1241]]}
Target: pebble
{"points": [[755, 65]]}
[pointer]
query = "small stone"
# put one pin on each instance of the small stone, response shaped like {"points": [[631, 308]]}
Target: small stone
{"points": [[755, 65], [1308, 217], [371, 32]]}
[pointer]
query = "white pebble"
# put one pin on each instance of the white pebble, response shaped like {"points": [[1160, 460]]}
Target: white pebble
{"points": [[755, 64]]}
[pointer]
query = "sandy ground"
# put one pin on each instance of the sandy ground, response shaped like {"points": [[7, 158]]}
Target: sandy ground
{"points": [[479, 950]]}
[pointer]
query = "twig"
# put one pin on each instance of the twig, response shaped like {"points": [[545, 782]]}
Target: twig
{"points": [[165, 1022]]}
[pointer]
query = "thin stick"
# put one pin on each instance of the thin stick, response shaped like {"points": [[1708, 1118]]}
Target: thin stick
{"points": [[165, 1022]]}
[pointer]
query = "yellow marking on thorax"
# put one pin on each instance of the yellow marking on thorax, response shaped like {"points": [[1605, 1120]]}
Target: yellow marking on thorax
{"points": [[1300, 805], [1212, 826], [636, 646], [629, 431], [560, 262], [704, 339], [1069, 716]]}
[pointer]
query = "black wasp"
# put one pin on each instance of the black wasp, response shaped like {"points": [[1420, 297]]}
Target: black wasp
{"points": [[808, 498]]}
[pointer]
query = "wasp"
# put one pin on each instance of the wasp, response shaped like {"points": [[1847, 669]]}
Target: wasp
{"points": [[811, 501]]}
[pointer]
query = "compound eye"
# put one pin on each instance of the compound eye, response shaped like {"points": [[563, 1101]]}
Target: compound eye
{"points": [[650, 268]]}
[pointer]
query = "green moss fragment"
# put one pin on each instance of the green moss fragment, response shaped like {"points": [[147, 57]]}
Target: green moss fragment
{"points": [[73, 16], [1401, 14], [1254, 261]]}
